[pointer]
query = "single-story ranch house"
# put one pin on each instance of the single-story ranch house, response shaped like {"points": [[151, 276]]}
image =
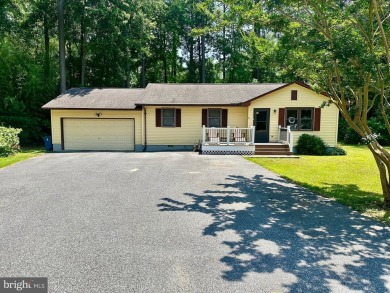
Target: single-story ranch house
{"points": [[221, 118]]}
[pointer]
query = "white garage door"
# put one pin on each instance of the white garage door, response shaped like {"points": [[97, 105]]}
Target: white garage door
{"points": [[98, 134]]}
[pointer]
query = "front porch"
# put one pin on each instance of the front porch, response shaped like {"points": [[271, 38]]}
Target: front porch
{"points": [[241, 141]]}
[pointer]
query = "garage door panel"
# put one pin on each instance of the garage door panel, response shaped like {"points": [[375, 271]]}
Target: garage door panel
{"points": [[99, 134]]}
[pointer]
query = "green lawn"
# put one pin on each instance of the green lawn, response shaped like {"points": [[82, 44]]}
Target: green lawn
{"points": [[352, 180], [25, 154]]}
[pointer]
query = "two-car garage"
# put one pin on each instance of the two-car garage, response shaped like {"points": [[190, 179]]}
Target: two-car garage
{"points": [[98, 134]]}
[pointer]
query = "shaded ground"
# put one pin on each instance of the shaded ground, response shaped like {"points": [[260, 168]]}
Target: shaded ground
{"points": [[179, 222]]}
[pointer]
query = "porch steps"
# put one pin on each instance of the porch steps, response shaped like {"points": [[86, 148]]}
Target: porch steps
{"points": [[272, 150]]}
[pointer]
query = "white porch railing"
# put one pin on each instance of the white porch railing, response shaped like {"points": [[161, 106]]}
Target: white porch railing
{"points": [[285, 135], [228, 136]]}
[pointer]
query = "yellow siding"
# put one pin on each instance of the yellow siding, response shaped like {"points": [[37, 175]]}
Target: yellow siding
{"points": [[191, 125], [56, 116], [306, 98]]}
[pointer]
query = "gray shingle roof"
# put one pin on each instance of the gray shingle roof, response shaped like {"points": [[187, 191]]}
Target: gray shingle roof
{"points": [[204, 94], [88, 98], [161, 94]]}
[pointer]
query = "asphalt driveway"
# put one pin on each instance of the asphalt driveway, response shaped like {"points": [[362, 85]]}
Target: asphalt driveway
{"points": [[180, 222]]}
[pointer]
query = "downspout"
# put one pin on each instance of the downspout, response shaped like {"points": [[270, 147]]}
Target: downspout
{"points": [[145, 140]]}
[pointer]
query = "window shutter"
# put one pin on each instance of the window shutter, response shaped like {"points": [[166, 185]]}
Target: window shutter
{"points": [[178, 117], [317, 119], [204, 117], [158, 117], [282, 121], [224, 117], [294, 95]]}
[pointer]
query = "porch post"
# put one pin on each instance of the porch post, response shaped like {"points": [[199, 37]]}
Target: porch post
{"points": [[280, 127], [204, 134], [228, 135], [253, 135], [288, 134]]}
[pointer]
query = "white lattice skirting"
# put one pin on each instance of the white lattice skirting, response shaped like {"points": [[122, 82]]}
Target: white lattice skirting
{"points": [[239, 153]]}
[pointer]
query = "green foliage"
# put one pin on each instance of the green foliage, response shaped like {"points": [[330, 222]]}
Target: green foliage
{"points": [[9, 140], [349, 136], [378, 127], [337, 151], [311, 145], [346, 134]]}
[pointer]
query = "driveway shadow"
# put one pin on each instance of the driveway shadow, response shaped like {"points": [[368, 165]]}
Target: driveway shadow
{"points": [[281, 226]]}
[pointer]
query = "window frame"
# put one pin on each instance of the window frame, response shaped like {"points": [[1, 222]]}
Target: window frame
{"points": [[299, 115], [174, 117], [220, 117]]}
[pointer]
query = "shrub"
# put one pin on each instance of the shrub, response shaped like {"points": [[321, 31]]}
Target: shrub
{"points": [[337, 151], [311, 145], [9, 141]]}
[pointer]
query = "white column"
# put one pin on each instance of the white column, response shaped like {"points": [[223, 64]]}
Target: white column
{"points": [[253, 134], [204, 134], [228, 135]]}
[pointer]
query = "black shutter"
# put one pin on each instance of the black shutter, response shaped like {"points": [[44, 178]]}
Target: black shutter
{"points": [[178, 117], [224, 117], [158, 117], [204, 117]]}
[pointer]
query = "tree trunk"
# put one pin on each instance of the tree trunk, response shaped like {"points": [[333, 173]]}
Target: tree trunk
{"points": [[47, 48], [233, 56], [165, 64], [383, 163], [174, 56], [82, 50], [191, 67], [61, 41], [203, 75], [383, 171], [224, 48], [199, 65], [143, 73], [127, 68], [70, 64]]}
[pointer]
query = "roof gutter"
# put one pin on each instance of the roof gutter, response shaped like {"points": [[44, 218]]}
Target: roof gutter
{"points": [[192, 105], [106, 109]]}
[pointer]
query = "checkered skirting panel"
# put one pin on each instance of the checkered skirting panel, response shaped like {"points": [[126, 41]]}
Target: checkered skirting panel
{"points": [[239, 153]]}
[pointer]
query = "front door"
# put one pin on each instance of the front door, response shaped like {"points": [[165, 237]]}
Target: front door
{"points": [[261, 123]]}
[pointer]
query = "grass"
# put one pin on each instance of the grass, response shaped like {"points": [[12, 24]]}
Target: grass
{"points": [[352, 180], [25, 154]]}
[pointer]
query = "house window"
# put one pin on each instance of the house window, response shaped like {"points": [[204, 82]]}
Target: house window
{"points": [[168, 117], [214, 118], [299, 119]]}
